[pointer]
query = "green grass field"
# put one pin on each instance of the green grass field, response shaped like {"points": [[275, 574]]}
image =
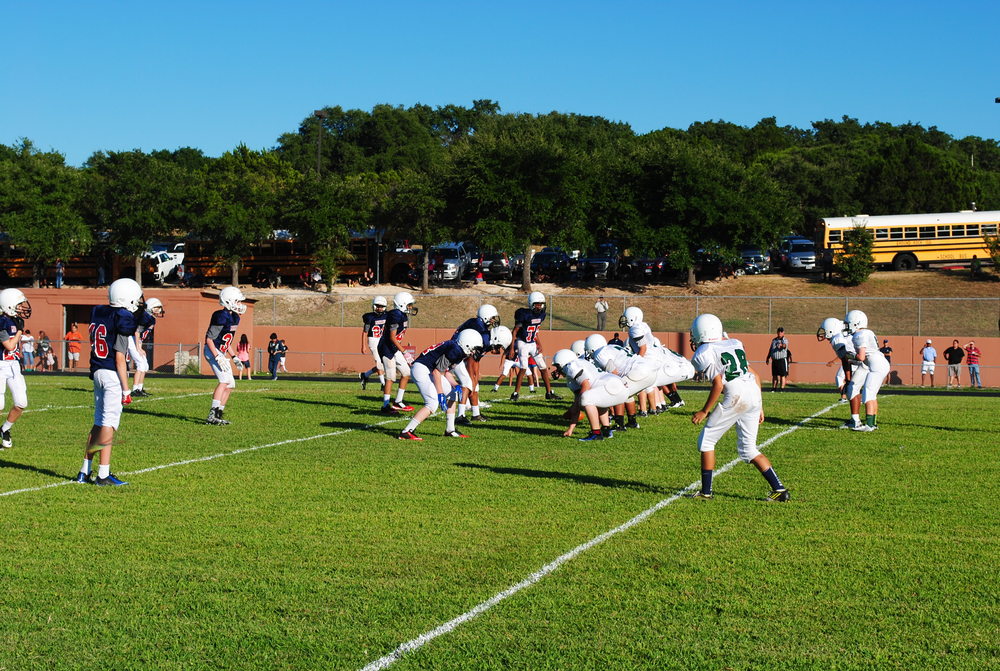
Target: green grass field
{"points": [[305, 536]]}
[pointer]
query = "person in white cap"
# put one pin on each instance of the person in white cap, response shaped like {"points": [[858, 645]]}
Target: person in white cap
{"points": [[929, 355]]}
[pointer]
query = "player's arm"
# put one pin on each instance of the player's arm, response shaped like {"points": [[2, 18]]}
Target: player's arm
{"points": [[513, 342], [11, 341], [364, 339], [713, 395]]}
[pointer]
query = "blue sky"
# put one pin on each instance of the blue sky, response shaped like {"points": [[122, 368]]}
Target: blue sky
{"points": [[78, 77]]}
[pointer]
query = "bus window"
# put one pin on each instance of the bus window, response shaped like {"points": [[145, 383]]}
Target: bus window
{"points": [[881, 233], [958, 230], [910, 232], [927, 232], [972, 229], [896, 233], [834, 236], [989, 229], [944, 231]]}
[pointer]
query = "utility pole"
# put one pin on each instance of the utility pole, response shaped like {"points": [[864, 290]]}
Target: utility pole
{"points": [[320, 116]]}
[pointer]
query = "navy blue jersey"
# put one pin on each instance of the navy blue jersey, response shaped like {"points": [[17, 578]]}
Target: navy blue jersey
{"points": [[374, 323], [222, 328], [443, 356], [8, 329], [110, 331], [529, 322], [395, 320], [476, 324], [145, 324]]}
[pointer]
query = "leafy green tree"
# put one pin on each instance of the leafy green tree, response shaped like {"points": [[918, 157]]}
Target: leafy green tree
{"points": [[246, 192], [855, 261], [39, 199], [993, 247]]}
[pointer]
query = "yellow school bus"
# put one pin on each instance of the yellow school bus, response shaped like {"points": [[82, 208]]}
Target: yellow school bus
{"points": [[905, 241]]}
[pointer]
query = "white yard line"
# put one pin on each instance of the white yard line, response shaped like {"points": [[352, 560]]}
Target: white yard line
{"points": [[451, 625], [138, 401]]}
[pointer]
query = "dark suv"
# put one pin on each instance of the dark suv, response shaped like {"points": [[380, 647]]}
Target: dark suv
{"points": [[604, 263], [552, 264], [496, 266]]}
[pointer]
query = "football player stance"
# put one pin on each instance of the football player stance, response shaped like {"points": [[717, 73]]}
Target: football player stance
{"points": [[395, 361], [527, 322], [637, 373], [724, 362], [14, 309], [674, 368], [111, 328], [486, 318], [218, 351], [145, 322], [872, 362], [429, 373], [594, 391], [832, 330], [373, 326]]}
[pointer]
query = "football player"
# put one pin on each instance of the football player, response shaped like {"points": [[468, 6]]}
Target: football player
{"points": [[832, 330], [674, 368], [395, 360], [218, 342], [638, 374], [145, 322], [371, 332], [486, 319], [872, 361], [111, 328], [527, 322], [428, 372], [724, 362], [594, 391], [14, 309]]}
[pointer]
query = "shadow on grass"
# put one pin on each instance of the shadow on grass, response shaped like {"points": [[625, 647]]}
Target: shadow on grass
{"points": [[573, 477], [76, 389], [25, 467], [132, 410], [304, 401]]}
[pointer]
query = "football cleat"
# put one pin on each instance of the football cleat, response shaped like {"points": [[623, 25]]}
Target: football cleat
{"points": [[479, 418], [513, 396], [621, 427], [387, 409], [643, 413], [700, 495], [607, 432], [212, 419], [781, 494], [552, 396], [364, 380], [408, 435], [632, 425], [678, 404], [591, 436], [849, 424], [5, 439], [218, 417], [399, 405], [464, 420], [454, 434], [863, 428], [82, 478], [110, 481]]}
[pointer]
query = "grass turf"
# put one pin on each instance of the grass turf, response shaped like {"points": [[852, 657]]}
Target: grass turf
{"points": [[330, 552]]}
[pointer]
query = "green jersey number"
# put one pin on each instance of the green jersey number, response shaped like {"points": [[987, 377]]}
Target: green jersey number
{"points": [[735, 366]]}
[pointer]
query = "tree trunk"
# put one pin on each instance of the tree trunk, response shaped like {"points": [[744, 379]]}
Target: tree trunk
{"points": [[138, 270], [692, 280], [425, 273], [526, 270], [235, 265], [37, 270]]}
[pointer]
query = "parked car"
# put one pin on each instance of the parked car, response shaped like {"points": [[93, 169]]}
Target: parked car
{"points": [[496, 266], [646, 269], [757, 258], [552, 264], [451, 262], [798, 254], [604, 263], [162, 265]]}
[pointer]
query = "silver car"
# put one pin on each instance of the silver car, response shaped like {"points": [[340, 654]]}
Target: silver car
{"points": [[798, 254]]}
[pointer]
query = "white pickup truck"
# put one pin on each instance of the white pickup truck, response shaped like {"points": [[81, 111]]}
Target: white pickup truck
{"points": [[163, 264]]}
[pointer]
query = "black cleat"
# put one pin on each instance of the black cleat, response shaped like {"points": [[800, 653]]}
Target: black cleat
{"points": [[780, 494], [5, 440], [552, 396], [513, 396], [387, 409], [364, 381]]}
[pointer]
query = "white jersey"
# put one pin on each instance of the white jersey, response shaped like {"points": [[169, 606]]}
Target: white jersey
{"points": [[726, 358], [874, 359], [639, 335], [842, 345], [579, 370], [615, 359]]}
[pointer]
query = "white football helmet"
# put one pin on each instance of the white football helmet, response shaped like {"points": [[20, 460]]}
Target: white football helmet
{"points": [[631, 317], [379, 302], [489, 315], [563, 357], [706, 328], [154, 306], [500, 337], [14, 304], [125, 293], [855, 321], [578, 348], [403, 301], [594, 342], [470, 340], [830, 327], [534, 298], [232, 299]]}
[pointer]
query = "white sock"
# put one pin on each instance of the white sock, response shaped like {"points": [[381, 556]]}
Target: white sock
{"points": [[856, 418], [104, 470], [399, 395], [7, 425], [475, 411], [216, 404], [449, 424], [85, 469], [411, 426], [381, 378]]}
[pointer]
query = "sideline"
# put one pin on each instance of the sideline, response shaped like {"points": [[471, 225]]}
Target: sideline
{"points": [[418, 642]]}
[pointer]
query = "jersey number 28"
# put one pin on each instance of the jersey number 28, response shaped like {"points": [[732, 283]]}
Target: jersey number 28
{"points": [[736, 366]]}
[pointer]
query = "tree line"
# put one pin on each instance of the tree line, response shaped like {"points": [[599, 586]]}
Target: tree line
{"points": [[507, 181]]}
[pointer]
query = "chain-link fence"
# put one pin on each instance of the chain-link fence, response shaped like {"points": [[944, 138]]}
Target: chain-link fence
{"points": [[63, 355], [975, 317]]}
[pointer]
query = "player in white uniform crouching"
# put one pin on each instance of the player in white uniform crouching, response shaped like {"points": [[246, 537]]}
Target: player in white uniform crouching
{"points": [[594, 392], [724, 362], [674, 368], [871, 360], [637, 373], [833, 330]]}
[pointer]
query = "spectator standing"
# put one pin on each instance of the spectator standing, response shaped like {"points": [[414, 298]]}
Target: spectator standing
{"points": [[72, 339], [887, 353], [601, 306], [282, 353], [976, 267], [28, 350], [929, 356], [972, 355], [778, 357], [44, 351], [60, 270], [954, 355], [273, 356], [616, 340], [243, 354], [828, 265]]}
